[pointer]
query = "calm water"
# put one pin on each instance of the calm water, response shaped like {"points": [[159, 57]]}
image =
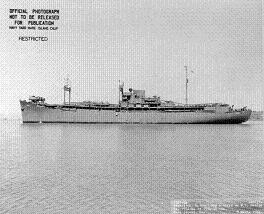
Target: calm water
{"points": [[71, 168]]}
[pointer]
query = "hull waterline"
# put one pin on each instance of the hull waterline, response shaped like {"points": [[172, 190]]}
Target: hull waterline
{"points": [[33, 113]]}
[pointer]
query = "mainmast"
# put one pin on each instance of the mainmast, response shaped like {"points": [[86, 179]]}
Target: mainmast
{"points": [[121, 89], [186, 84]]}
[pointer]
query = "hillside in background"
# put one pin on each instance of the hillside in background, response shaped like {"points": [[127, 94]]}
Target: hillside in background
{"points": [[257, 115]]}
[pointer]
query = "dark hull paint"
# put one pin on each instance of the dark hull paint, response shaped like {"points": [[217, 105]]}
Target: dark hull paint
{"points": [[237, 121]]}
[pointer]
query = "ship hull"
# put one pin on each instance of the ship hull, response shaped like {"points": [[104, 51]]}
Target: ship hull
{"points": [[32, 113]]}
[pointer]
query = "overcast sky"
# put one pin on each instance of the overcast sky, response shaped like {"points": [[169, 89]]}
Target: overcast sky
{"points": [[144, 43]]}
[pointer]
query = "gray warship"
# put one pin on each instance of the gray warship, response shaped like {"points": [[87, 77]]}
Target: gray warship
{"points": [[133, 107]]}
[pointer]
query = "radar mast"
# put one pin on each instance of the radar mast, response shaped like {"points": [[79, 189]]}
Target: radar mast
{"points": [[67, 89]]}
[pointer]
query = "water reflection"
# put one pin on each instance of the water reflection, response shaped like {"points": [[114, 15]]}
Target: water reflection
{"points": [[121, 168]]}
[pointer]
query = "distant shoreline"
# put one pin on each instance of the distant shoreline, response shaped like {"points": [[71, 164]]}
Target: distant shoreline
{"points": [[256, 115]]}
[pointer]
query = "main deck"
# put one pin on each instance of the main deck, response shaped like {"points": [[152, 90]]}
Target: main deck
{"points": [[47, 113]]}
